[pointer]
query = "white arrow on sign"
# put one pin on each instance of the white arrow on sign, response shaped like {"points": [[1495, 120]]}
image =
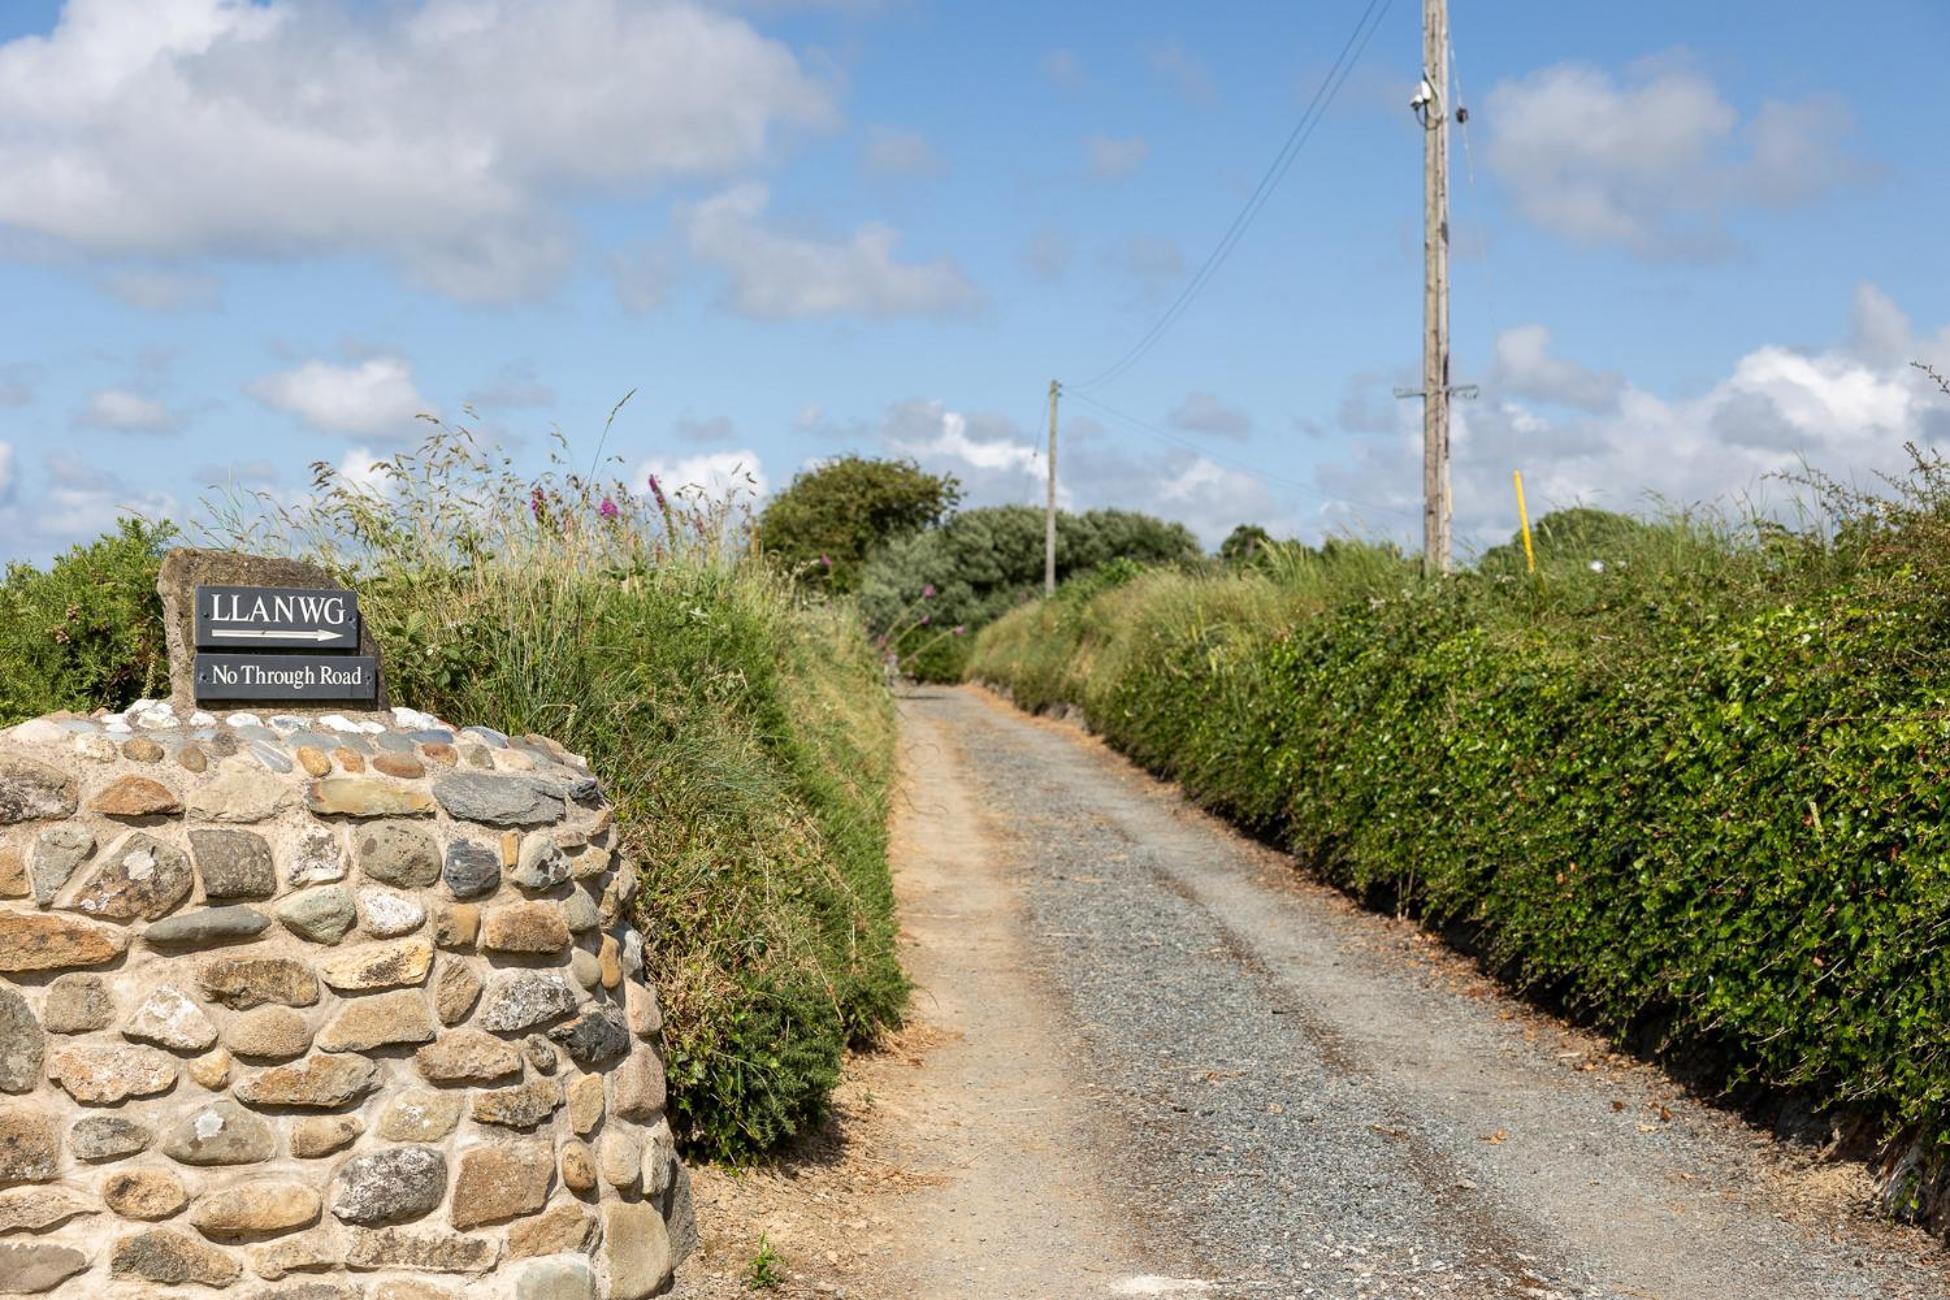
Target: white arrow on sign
{"points": [[258, 633]]}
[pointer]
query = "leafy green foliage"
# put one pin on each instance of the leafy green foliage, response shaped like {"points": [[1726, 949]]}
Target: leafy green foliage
{"points": [[746, 737], [822, 527], [1244, 544], [1695, 791], [86, 633], [983, 563]]}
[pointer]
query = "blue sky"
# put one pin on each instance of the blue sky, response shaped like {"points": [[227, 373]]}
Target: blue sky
{"points": [[1695, 246]]}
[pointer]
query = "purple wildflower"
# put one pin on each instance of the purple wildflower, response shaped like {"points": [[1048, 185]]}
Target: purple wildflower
{"points": [[826, 560], [657, 491], [536, 502], [607, 510], [960, 628], [927, 592], [926, 619]]}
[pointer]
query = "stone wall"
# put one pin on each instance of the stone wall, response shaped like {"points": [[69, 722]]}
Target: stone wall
{"points": [[343, 1007]]}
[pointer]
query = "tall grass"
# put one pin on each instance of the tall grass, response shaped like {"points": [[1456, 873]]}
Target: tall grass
{"points": [[745, 734]]}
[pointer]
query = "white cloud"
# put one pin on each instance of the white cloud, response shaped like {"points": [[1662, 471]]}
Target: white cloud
{"points": [[642, 275], [1061, 67], [1184, 73], [1205, 413], [1524, 367], [123, 411], [163, 291], [718, 475], [446, 135], [1848, 410], [17, 380], [1111, 159], [1047, 255], [1653, 161], [810, 417], [890, 152], [374, 398], [365, 470], [78, 501], [992, 459], [773, 274]]}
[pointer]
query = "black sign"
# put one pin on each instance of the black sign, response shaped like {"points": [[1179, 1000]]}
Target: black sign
{"points": [[286, 676], [263, 618]]}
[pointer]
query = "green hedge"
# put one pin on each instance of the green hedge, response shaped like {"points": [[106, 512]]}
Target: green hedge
{"points": [[1690, 784], [746, 736]]}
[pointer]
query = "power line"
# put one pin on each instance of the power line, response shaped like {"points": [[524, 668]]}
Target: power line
{"points": [[1324, 94]]}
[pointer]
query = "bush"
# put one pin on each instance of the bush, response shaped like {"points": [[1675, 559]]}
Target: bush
{"points": [[965, 574], [86, 633], [746, 738], [1695, 790], [826, 522]]}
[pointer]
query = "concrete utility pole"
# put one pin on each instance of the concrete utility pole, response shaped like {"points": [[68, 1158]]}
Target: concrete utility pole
{"points": [[1049, 516], [1432, 106]]}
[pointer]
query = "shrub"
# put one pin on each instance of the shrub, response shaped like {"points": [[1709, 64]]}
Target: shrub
{"points": [[1695, 792], [87, 632], [984, 562], [822, 527]]}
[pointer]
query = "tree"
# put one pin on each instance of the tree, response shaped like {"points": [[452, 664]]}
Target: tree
{"points": [[984, 562], [826, 522], [1244, 545]]}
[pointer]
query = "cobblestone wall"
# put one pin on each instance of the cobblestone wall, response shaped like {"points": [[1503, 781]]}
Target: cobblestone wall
{"points": [[341, 1008]]}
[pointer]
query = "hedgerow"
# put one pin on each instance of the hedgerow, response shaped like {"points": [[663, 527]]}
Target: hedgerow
{"points": [[1688, 781], [743, 731]]}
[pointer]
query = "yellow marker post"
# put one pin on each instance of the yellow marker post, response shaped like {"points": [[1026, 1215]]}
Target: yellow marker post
{"points": [[1523, 514]]}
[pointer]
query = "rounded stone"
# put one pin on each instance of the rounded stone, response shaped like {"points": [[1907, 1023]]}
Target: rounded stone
{"points": [[501, 1181], [578, 1167], [560, 1277], [595, 1037], [57, 852], [402, 765], [168, 1018], [468, 1055], [260, 1207], [23, 1044], [496, 800], [219, 1133], [541, 864], [396, 963], [36, 1209], [471, 870], [77, 1004], [517, 1001], [30, 1267], [456, 987], [171, 1258], [315, 1083], [30, 1144], [135, 796], [207, 926], [365, 796], [636, 1249], [396, 1185], [241, 983], [146, 1194], [138, 877], [323, 915], [233, 863], [275, 1033], [100, 1074], [33, 791], [100, 1138], [397, 853], [389, 915], [525, 927], [318, 858], [35, 942], [382, 1020], [320, 1135], [421, 1115]]}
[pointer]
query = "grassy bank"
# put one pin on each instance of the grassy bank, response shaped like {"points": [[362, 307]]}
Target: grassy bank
{"points": [[745, 735], [1689, 780]]}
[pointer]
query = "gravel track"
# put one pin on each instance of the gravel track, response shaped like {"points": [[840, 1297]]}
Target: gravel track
{"points": [[1309, 1100]]}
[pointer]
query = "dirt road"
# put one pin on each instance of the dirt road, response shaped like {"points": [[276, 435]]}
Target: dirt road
{"points": [[1148, 1059]]}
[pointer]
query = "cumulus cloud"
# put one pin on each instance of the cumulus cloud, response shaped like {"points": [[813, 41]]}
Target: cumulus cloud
{"points": [[718, 475], [1848, 409], [1047, 255], [1063, 70], [1654, 160], [373, 398], [121, 410], [1184, 73], [890, 152], [17, 380], [1205, 413], [775, 274], [437, 134], [365, 470], [1524, 367], [1112, 159], [74, 501], [163, 291]]}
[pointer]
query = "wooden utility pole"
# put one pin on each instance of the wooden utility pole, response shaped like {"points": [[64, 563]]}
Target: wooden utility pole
{"points": [[1433, 108], [1049, 515]]}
